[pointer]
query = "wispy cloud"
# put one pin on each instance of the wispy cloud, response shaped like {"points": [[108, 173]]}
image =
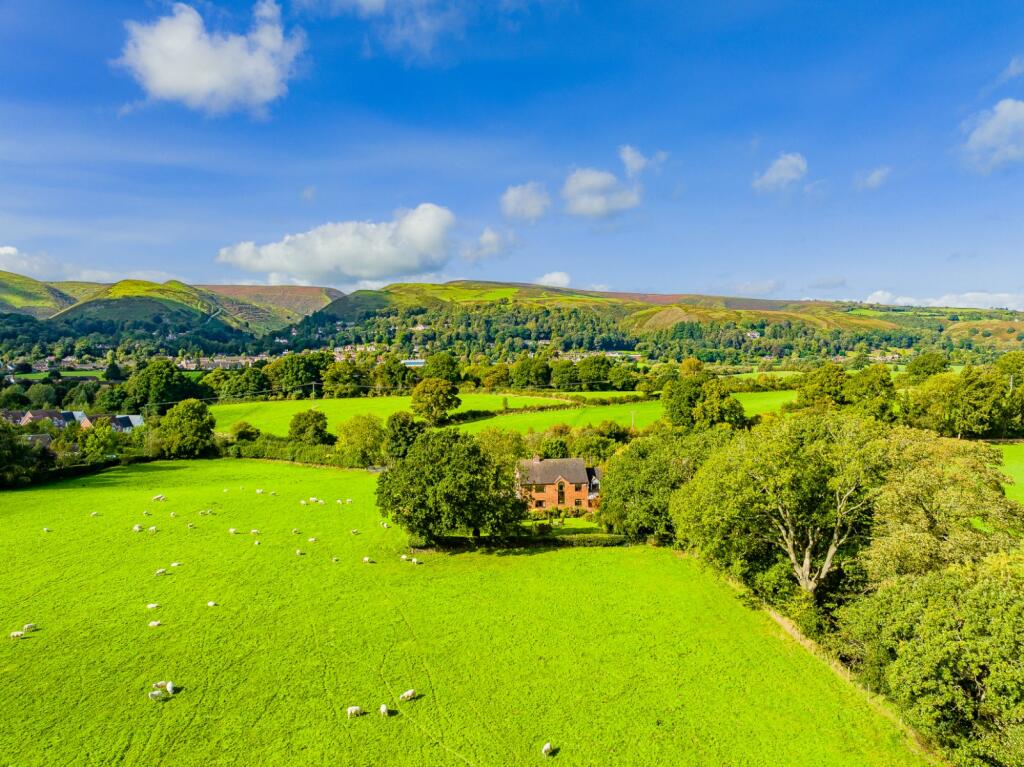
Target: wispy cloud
{"points": [[44, 267], [978, 299], [787, 169], [872, 179], [594, 193], [528, 202], [995, 137], [635, 162]]}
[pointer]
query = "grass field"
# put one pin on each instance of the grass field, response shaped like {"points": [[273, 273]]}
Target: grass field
{"points": [[63, 374], [617, 656], [273, 417], [761, 402], [1013, 466]]}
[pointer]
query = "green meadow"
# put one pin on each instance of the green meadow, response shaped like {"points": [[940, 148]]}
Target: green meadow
{"points": [[1013, 467], [274, 416], [617, 656]]}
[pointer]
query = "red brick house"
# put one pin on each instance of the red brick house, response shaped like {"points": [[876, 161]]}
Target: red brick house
{"points": [[551, 483]]}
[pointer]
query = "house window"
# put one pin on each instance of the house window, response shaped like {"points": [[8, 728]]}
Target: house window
{"points": [[561, 493], [538, 504], [578, 502], [577, 488]]}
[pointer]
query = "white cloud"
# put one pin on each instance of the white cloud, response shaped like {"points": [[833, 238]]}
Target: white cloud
{"points": [[554, 280], [528, 201], [787, 168], [872, 179], [415, 241], [41, 266], [978, 299], [309, 193], [996, 136], [490, 243], [176, 58], [597, 194], [1013, 70], [636, 163], [757, 287]]}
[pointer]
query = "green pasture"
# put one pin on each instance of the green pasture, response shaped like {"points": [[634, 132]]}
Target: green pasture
{"points": [[274, 416], [761, 402], [627, 656], [63, 374], [1013, 467]]}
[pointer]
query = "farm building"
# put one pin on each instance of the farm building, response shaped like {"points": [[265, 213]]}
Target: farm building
{"points": [[548, 483]]}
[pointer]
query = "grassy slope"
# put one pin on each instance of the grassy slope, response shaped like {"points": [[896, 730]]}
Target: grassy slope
{"points": [[273, 417], [25, 295], [285, 303], [618, 656], [79, 290]]}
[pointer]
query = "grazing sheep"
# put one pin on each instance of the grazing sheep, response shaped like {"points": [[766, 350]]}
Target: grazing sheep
{"points": [[384, 710], [273, 492], [299, 552], [302, 503], [367, 561], [175, 564], [28, 627], [159, 497], [156, 695], [191, 526], [385, 525], [546, 749], [173, 514], [152, 606], [404, 557], [259, 492], [407, 695], [136, 528], [295, 531], [161, 571], [254, 531], [146, 513], [46, 529], [313, 499], [154, 624], [334, 559], [321, 502], [256, 543], [152, 529], [353, 711], [17, 635], [415, 561], [170, 688], [232, 531], [348, 500], [211, 604], [94, 514], [355, 532], [312, 540], [338, 501]]}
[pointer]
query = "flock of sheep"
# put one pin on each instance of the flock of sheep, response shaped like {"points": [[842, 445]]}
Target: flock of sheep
{"points": [[165, 690]]}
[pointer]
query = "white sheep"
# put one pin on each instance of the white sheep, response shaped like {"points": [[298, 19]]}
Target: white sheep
{"points": [[353, 711], [46, 529], [136, 528], [232, 531], [191, 526], [159, 497], [312, 540], [254, 531], [334, 559], [321, 502], [273, 492], [404, 557], [146, 513], [28, 627], [299, 552], [175, 564], [348, 500], [367, 561], [295, 531], [152, 529], [173, 514], [211, 603], [407, 695], [156, 695], [94, 514], [546, 749], [384, 710], [259, 492], [415, 561], [312, 499], [170, 688], [355, 532], [161, 571], [338, 501], [154, 624], [302, 503], [152, 606], [256, 542], [17, 634]]}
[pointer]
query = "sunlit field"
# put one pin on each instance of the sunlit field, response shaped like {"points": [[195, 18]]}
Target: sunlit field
{"points": [[616, 656]]}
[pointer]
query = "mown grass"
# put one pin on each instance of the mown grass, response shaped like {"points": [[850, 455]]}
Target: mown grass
{"points": [[761, 402], [273, 417], [617, 656]]}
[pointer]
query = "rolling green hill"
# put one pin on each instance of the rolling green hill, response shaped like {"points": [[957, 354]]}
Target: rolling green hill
{"points": [[257, 309], [24, 295]]}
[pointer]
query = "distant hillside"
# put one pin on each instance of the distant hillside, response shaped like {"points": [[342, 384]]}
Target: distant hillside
{"points": [[24, 295], [256, 309]]}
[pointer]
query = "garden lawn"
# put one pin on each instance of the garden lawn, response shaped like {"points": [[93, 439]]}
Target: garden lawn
{"points": [[274, 416], [616, 656]]}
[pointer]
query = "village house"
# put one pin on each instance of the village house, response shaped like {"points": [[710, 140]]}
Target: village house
{"points": [[551, 483]]}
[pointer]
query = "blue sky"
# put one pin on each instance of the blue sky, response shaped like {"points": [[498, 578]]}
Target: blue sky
{"points": [[775, 149]]}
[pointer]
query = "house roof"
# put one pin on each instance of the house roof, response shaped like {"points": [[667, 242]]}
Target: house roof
{"points": [[546, 471]]}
